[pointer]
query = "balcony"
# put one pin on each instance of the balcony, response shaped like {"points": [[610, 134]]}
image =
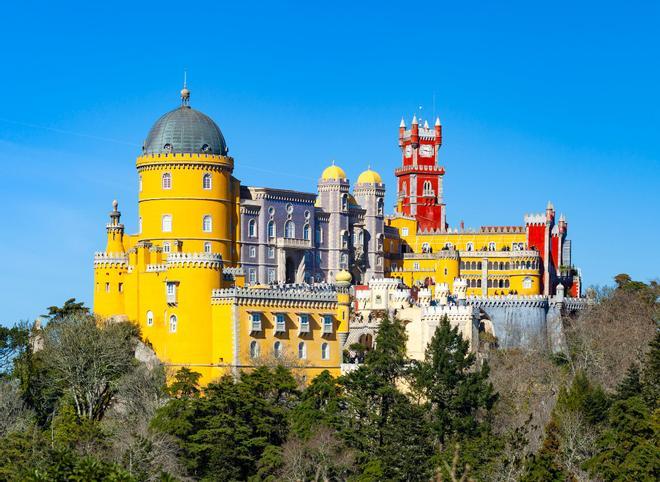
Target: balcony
{"points": [[255, 323], [303, 324], [292, 243], [328, 327]]}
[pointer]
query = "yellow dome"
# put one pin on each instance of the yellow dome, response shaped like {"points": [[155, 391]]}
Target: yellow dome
{"points": [[333, 173], [343, 277], [370, 177]]}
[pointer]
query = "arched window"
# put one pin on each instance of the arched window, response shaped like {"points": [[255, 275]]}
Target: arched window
{"points": [[289, 230], [490, 283], [426, 248], [527, 283], [252, 228], [404, 188], [302, 350], [490, 265], [167, 223], [479, 265], [474, 265], [254, 349], [150, 318], [166, 246], [140, 184], [319, 235], [325, 351], [140, 225], [501, 283], [344, 260], [173, 322], [271, 229], [207, 247], [379, 206], [344, 239], [478, 283], [277, 349], [491, 246], [306, 232], [517, 265], [507, 266], [529, 264], [344, 202], [506, 283], [470, 247], [206, 181], [207, 224], [463, 265], [167, 180], [501, 265]]}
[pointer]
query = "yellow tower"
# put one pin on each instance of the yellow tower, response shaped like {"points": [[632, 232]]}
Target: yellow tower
{"points": [[343, 283]]}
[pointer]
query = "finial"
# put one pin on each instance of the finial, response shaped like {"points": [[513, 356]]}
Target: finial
{"points": [[333, 162], [414, 121], [403, 124], [437, 121], [185, 93], [426, 124], [115, 205], [550, 206]]}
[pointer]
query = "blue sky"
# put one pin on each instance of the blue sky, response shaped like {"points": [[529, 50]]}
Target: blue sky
{"points": [[539, 101]]}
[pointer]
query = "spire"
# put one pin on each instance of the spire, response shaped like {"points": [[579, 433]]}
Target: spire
{"points": [[562, 219], [550, 207], [115, 215], [185, 93], [426, 124], [403, 124], [437, 122], [414, 121]]}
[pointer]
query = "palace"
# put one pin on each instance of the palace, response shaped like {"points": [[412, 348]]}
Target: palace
{"points": [[220, 275]]}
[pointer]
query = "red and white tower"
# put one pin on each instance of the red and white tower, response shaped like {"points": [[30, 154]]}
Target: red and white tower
{"points": [[419, 179]]}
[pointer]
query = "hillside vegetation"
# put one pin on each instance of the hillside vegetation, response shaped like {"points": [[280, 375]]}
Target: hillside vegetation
{"points": [[75, 404]]}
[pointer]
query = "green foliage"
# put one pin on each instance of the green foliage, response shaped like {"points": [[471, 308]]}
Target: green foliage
{"points": [[448, 381], [629, 449], [543, 467], [584, 397], [185, 384], [14, 343], [70, 308], [320, 404]]}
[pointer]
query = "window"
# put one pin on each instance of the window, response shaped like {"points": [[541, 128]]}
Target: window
{"points": [[449, 245], [426, 248], [166, 223], [207, 224], [527, 283], [319, 235], [379, 242], [140, 225], [289, 230], [327, 324], [280, 323], [302, 350], [271, 252], [428, 189], [379, 261], [253, 251], [306, 232], [253, 276], [170, 291], [271, 275], [325, 351], [150, 318], [140, 183], [404, 231], [166, 246], [173, 323], [479, 265], [379, 206], [344, 260], [344, 202], [277, 349], [404, 188], [207, 247], [506, 283], [206, 181], [303, 320], [445, 271], [416, 266], [289, 208], [252, 228], [167, 181], [492, 246], [469, 247], [107, 287], [255, 321], [254, 349], [271, 229]]}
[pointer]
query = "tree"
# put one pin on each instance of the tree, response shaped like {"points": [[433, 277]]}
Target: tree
{"points": [[70, 308], [321, 404], [86, 358], [629, 448], [14, 342], [449, 382]]}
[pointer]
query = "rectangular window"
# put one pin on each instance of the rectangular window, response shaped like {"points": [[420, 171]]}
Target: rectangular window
{"points": [[121, 287], [107, 287], [167, 223], [253, 252], [416, 266], [327, 324], [303, 320], [207, 247], [253, 276], [171, 292], [404, 231], [271, 252], [166, 247], [255, 319], [280, 323], [271, 275]]}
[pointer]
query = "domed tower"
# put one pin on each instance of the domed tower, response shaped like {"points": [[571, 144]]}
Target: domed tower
{"points": [[369, 193], [187, 195], [343, 283], [335, 200]]}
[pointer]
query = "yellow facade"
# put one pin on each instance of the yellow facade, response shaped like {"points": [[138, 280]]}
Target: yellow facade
{"points": [[493, 261]]}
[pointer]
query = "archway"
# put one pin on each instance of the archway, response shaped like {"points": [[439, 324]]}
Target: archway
{"points": [[290, 273]]}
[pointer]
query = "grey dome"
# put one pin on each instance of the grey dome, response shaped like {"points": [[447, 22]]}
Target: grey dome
{"points": [[185, 130]]}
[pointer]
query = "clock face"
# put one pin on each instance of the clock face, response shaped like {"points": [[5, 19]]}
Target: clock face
{"points": [[426, 150], [408, 151]]}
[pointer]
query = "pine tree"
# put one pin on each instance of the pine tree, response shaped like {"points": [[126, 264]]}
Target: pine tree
{"points": [[543, 466]]}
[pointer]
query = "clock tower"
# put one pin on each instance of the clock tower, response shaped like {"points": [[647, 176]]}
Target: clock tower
{"points": [[419, 179]]}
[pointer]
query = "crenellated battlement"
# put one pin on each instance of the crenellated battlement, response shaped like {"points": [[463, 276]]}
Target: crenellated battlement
{"points": [[195, 260], [538, 301], [279, 295], [103, 259], [535, 219]]}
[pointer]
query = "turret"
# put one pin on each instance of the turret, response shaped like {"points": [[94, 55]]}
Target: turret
{"points": [[343, 283], [414, 132], [438, 132], [563, 226], [115, 230], [402, 130], [549, 213]]}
